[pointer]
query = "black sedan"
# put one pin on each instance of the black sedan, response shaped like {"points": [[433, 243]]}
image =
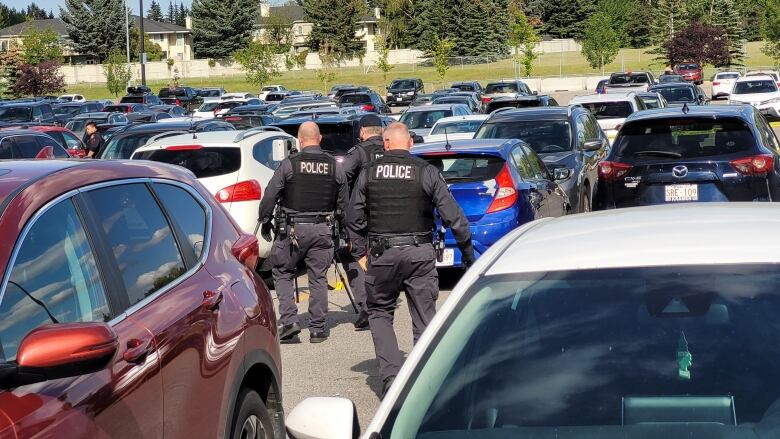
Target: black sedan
{"points": [[674, 155], [681, 93]]}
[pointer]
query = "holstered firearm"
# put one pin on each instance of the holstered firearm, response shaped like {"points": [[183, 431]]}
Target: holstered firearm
{"points": [[280, 221], [340, 238], [438, 240]]}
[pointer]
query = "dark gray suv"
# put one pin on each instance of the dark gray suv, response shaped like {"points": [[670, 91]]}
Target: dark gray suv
{"points": [[403, 91]]}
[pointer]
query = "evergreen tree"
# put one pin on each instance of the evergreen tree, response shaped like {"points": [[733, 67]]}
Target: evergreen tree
{"points": [[396, 22], [566, 19], [176, 14], [155, 12], [92, 25], [171, 17], [771, 30], [181, 20], [435, 19], [639, 25], [211, 20], [476, 36], [726, 15], [333, 25], [670, 17]]}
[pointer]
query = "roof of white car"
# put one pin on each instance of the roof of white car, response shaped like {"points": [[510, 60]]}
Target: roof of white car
{"points": [[728, 72], [462, 118], [751, 78], [610, 97], [681, 234], [210, 138]]}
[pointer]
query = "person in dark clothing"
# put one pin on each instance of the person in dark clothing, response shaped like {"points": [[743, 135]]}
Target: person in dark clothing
{"points": [[313, 193], [392, 207], [370, 148], [92, 139]]}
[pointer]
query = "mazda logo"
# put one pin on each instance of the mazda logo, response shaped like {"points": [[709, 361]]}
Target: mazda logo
{"points": [[680, 171]]}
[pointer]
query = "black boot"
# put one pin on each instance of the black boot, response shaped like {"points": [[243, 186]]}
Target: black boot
{"points": [[318, 336], [361, 324], [287, 332]]}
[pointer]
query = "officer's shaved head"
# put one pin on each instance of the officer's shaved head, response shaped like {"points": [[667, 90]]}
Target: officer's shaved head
{"points": [[309, 134], [397, 137]]}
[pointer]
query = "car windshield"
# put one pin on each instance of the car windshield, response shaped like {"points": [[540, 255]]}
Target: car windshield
{"points": [[504, 87], [688, 351], [21, 114], [124, 147], [204, 162], [66, 109], [687, 67], [461, 126], [651, 102], [463, 168], [132, 100], [676, 94], [464, 87], [452, 100], [727, 76], [686, 138], [228, 105], [544, 136], [609, 110], [208, 106], [116, 108], [670, 78], [750, 87], [355, 99], [423, 119], [625, 78], [209, 93], [407, 83]]}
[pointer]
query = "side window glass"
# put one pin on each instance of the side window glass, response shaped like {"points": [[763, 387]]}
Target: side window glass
{"points": [[263, 152], [140, 237], [57, 149], [523, 166], [56, 266], [580, 127], [534, 164], [187, 212], [27, 146], [47, 111], [36, 113], [71, 141], [6, 149]]}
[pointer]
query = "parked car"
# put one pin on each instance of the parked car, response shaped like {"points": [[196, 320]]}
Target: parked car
{"points": [[15, 113], [420, 120], [670, 78], [103, 120], [126, 108], [339, 133], [712, 153], [249, 119], [455, 128], [227, 105], [234, 166], [141, 98], [172, 110], [66, 138], [314, 113], [283, 110], [520, 101], [723, 83], [505, 88], [691, 72], [366, 101], [185, 97], [472, 86], [125, 141], [680, 94], [129, 302], [610, 110], [653, 100], [270, 89], [404, 91], [336, 94], [147, 116], [568, 139], [423, 100], [71, 98], [335, 88], [759, 91], [623, 82], [474, 106], [64, 112], [601, 86], [602, 339], [23, 143], [275, 97], [206, 110], [773, 73], [210, 94]]}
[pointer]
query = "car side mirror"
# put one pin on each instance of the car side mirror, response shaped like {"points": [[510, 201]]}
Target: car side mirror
{"points": [[561, 174], [60, 350], [323, 418], [593, 145], [281, 149]]}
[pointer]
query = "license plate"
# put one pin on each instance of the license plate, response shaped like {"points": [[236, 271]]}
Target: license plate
{"points": [[682, 192], [448, 259], [399, 99]]}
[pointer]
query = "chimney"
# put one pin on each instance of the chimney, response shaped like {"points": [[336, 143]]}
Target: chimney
{"points": [[265, 9], [377, 13], [188, 22]]}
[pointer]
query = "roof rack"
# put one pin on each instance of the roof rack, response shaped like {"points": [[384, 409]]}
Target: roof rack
{"points": [[165, 134], [255, 131]]}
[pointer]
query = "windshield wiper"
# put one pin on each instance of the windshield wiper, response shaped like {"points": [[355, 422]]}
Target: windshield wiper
{"points": [[670, 154]]}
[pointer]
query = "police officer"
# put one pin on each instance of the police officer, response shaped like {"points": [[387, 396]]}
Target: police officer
{"points": [[393, 203], [370, 148], [313, 192]]}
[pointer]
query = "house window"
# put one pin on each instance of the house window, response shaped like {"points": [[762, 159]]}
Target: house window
{"points": [[180, 40], [299, 30]]}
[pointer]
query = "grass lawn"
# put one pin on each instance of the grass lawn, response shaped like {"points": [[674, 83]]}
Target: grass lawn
{"points": [[551, 64]]}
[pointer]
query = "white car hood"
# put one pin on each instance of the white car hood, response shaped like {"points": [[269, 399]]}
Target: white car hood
{"points": [[442, 137], [754, 97]]}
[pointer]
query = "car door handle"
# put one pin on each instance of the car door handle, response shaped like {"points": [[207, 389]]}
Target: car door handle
{"points": [[137, 350], [211, 300]]}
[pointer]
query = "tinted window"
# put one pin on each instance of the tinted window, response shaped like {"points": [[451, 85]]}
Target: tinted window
{"points": [[688, 66], [745, 87], [404, 84], [263, 152], [26, 146], [464, 87], [140, 237], [208, 106], [683, 138], [55, 265], [423, 119], [6, 148], [16, 114], [609, 110], [355, 99], [57, 149], [132, 100], [727, 76], [677, 94], [509, 87], [544, 136], [651, 102], [459, 168], [124, 146], [210, 93], [47, 112], [116, 108], [521, 163], [166, 93], [71, 141], [512, 103], [187, 212], [625, 78], [204, 162], [65, 110]]}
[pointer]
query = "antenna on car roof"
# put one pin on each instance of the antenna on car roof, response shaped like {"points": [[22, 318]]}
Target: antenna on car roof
{"points": [[447, 145]]}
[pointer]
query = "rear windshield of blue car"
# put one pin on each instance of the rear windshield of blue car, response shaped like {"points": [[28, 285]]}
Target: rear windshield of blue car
{"points": [[685, 138], [461, 168]]}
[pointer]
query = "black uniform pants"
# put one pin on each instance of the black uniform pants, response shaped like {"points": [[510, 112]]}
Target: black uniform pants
{"points": [[315, 248], [412, 268]]}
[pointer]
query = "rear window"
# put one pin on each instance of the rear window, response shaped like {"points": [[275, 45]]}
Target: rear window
{"points": [[609, 110], [116, 108], [459, 168], [166, 93], [544, 136], [641, 78], [209, 106], [687, 138], [522, 103], [677, 94], [423, 119], [204, 162], [509, 87], [355, 99], [462, 126], [209, 93], [337, 138], [651, 102], [749, 87], [228, 105], [132, 100], [727, 76], [464, 87]]}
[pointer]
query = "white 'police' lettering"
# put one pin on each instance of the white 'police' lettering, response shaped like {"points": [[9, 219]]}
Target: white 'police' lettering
{"points": [[394, 172], [317, 168]]}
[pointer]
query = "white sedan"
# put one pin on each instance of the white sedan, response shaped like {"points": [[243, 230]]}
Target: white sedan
{"points": [[455, 128], [646, 322]]}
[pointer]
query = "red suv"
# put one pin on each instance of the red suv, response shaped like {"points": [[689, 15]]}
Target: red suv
{"points": [[65, 137], [129, 308], [691, 72]]}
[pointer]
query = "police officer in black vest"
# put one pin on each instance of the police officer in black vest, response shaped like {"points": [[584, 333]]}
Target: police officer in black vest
{"points": [[313, 192], [370, 148], [393, 204]]}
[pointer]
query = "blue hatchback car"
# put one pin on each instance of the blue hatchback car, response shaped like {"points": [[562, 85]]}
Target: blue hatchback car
{"points": [[500, 184]]}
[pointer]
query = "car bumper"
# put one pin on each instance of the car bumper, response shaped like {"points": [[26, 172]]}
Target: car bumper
{"points": [[484, 233], [770, 110], [395, 99]]}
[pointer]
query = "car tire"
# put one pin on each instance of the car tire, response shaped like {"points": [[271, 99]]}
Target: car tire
{"points": [[585, 205], [252, 420]]}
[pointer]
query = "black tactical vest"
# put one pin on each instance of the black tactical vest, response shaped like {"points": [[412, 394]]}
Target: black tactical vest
{"points": [[373, 149], [397, 204], [313, 187]]}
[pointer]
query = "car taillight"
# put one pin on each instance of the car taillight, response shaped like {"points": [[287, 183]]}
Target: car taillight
{"points": [[367, 107], [244, 191], [486, 100], [246, 250], [755, 165], [183, 147], [506, 195], [611, 171], [715, 83], [232, 119], [178, 102]]}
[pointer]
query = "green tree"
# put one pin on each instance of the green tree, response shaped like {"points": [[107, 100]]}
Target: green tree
{"points": [[771, 30], [171, 16], [334, 23], [565, 19], [639, 26], [41, 45], [326, 74], [93, 25], [153, 50], [10, 62], [278, 32], [620, 13], [383, 51], [300, 59], [473, 35], [259, 62], [154, 12], [523, 37], [726, 15], [212, 18], [601, 42], [433, 19], [442, 49], [117, 71], [396, 22], [670, 17], [181, 17]]}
